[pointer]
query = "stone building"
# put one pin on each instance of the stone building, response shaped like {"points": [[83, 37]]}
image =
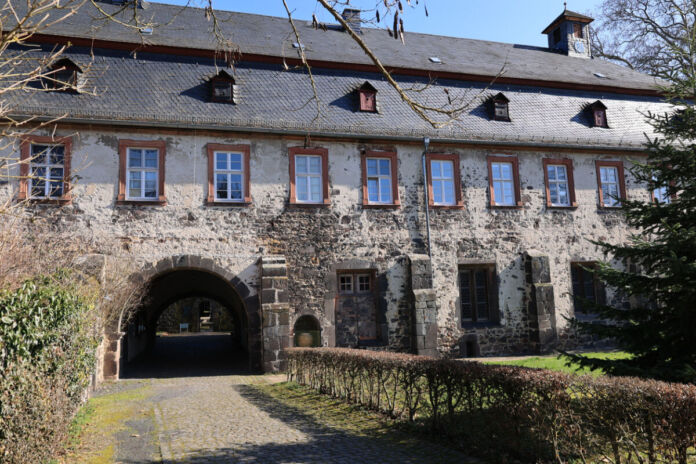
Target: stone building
{"points": [[220, 179]]}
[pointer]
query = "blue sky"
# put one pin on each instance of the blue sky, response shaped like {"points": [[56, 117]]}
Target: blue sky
{"points": [[513, 21]]}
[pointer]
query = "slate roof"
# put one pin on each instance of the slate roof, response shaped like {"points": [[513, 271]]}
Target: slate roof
{"points": [[272, 36], [171, 91]]}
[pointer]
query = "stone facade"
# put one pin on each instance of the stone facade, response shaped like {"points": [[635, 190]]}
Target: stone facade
{"points": [[287, 257]]}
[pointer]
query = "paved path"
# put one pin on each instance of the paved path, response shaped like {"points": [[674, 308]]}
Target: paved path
{"points": [[226, 420]]}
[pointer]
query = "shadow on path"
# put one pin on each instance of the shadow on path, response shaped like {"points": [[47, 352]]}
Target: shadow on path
{"points": [[189, 355], [322, 445]]}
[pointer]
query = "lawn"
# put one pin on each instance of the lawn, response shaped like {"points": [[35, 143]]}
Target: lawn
{"points": [[556, 363]]}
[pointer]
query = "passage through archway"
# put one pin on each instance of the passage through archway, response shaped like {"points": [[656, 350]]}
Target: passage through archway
{"points": [[194, 321]]}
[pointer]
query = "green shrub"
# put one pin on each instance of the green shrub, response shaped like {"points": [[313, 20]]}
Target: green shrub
{"points": [[507, 412], [47, 355]]}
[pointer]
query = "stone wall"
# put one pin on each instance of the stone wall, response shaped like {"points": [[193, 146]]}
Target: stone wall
{"points": [[316, 242]]}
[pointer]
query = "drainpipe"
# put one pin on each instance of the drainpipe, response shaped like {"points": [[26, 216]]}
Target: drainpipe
{"points": [[426, 143]]}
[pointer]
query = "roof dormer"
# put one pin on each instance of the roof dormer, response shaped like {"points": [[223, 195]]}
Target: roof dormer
{"points": [[569, 33], [63, 74], [367, 98], [597, 114], [498, 107], [223, 88]]}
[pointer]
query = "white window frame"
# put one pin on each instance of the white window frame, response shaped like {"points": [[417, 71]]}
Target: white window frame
{"points": [[609, 201], [47, 166], [309, 176], [558, 183], [228, 172], [380, 177], [438, 177], [498, 189], [360, 283], [345, 283], [142, 170]]}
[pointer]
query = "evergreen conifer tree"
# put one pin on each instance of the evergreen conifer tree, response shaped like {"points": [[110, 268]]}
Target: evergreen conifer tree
{"points": [[659, 272]]}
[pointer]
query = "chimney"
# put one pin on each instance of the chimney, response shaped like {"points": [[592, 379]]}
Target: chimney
{"points": [[352, 17]]}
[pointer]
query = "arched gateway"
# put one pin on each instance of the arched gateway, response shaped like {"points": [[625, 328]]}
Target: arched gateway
{"points": [[176, 278]]}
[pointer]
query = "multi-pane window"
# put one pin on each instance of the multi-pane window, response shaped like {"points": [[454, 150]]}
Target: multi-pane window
{"points": [[143, 174], [379, 180], [559, 189], [503, 184], [222, 90], [476, 293], [609, 185], [47, 172], [587, 289], [364, 282], [229, 176], [443, 185], [345, 283], [308, 179]]}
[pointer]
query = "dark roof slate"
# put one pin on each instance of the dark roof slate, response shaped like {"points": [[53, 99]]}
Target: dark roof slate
{"points": [[161, 90], [272, 36]]}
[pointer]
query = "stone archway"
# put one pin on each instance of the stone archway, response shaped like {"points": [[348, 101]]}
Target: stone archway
{"points": [[175, 278]]}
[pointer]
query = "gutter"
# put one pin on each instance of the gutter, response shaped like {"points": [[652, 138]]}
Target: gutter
{"points": [[416, 138]]}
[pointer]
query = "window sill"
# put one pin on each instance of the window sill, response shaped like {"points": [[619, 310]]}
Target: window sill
{"points": [[141, 203], [507, 207], [381, 205], [562, 208], [226, 204], [308, 205], [457, 206], [47, 201]]}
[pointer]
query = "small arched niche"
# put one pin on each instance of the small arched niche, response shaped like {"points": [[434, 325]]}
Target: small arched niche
{"points": [[307, 332]]}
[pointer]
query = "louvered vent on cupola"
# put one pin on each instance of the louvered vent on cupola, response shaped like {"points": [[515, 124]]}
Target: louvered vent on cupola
{"points": [[498, 107], [63, 75], [223, 88], [366, 98]]}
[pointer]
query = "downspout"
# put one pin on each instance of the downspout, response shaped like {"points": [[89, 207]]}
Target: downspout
{"points": [[426, 143]]}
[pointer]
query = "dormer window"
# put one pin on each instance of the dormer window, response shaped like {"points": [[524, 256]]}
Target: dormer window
{"points": [[598, 114], [367, 98], [63, 75], [222, 88], [499, 106]]}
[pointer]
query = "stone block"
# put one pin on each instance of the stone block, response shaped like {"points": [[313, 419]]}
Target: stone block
{"points": [[537, 267], [274, 270], [269, 295]]}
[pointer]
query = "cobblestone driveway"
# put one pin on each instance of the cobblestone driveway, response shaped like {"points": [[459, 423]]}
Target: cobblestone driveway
{"points": [[226, 420]]}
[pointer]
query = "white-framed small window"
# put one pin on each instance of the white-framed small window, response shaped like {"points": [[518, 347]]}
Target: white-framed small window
{"points": [[47, 172], [503, 183], [308, 179], [442, 177], [559, 191], [345, 283], [379, 180], [363, 283], [143, 174], [229, 176], [609, 178]]}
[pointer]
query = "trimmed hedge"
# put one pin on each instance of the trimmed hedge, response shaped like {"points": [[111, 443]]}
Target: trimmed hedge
{"points": [[508, 412]]}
